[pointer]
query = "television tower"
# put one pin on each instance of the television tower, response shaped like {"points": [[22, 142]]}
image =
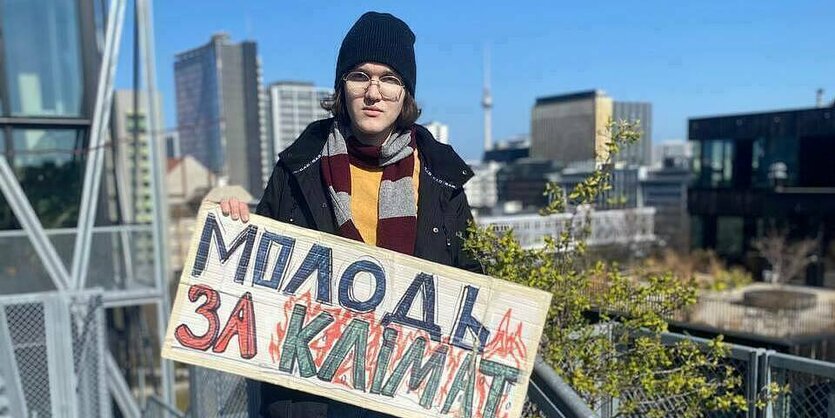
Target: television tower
{"points": [[487, 103]]}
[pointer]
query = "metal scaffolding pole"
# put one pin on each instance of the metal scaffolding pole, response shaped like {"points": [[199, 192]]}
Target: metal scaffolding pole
{"points": [[159, 201], [95, 157], [10, 188]]}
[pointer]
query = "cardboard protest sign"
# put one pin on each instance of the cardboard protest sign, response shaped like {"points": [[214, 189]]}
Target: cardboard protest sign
{"points": [[359, 324]]}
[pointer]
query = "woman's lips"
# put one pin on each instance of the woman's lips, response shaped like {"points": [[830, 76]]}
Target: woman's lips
{"points": [[371, 112]]}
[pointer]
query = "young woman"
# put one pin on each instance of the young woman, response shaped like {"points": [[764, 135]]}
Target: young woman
{"points": [[370, 173]]}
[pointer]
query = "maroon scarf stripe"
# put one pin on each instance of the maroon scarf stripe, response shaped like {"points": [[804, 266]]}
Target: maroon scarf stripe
{"points": [[333, 171], [397, 234], [365, 156], [350, 231]]}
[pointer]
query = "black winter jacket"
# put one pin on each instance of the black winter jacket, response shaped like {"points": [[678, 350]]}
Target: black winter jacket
{"points": [[296, 194]]}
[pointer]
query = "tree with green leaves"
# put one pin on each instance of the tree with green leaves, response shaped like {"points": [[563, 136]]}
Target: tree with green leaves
{"points": [[603, 334]]}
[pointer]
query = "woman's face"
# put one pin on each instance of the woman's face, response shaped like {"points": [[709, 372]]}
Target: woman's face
{"points": [[375, 109]]}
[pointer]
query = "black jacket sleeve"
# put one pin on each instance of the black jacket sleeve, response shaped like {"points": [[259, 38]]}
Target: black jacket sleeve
{"points": [[268, 206]]}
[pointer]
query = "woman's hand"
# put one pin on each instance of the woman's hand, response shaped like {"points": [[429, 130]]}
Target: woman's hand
{"points": [[235, 208]]}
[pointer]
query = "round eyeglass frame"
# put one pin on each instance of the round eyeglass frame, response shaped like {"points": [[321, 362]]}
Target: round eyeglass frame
{"points": [[380, 85]]}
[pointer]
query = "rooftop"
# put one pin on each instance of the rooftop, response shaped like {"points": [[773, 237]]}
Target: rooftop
{"points": [[570, 97]]}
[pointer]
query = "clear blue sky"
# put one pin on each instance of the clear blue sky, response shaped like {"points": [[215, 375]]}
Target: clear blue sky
{"points": [[689, 58]]}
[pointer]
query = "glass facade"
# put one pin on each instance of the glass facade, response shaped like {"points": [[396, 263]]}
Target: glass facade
{"points": [[715, 164], [42, 64], [198, 109], [42, 58], [696, 162], [761, 171], [49, 166], [725, 163], [769, 153]]}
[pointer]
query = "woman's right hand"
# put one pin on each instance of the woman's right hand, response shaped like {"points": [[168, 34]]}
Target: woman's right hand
{"points": [[235, 208]]}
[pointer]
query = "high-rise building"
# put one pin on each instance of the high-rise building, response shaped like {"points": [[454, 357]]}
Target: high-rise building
{"points": [[570, 127], [220, 113], [755, 173], [439, 130], [639, 153], [291, 106], [133, 168]]}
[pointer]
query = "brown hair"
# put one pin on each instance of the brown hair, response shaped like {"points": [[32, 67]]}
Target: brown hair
{"points": [[336, 105]]}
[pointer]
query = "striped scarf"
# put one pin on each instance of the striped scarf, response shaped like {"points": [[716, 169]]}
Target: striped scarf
{"points": [[397, 210]]}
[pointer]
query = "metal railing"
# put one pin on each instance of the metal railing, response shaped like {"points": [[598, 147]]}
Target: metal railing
{"points": [[123, 254], [811, 389], [811, 382], [811, 386], [218, 394], [52, 353], [554, 398]]}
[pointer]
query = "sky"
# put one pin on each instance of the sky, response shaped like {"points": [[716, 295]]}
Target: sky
{"points": [[688, 58]]}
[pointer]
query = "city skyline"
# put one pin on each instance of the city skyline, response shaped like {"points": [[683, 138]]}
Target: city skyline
{"points": [[712, 58]]}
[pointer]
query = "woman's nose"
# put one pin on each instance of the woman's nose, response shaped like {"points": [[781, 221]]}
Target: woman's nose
{"points": [[373, 92]]}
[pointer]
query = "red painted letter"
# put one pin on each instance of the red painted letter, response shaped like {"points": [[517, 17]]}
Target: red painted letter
{"points": [[241, 323], [209, 311]]}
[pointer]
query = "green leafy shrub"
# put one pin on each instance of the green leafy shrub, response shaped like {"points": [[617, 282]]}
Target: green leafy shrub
{"points": [[603, 334]]}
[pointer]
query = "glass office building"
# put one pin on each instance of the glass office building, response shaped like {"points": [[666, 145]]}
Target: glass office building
{"points": [[757, 172], [82, 272]]}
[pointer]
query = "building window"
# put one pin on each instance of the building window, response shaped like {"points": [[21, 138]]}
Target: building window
{"points": [[696, 231], [713, 163], [49, 165], [729, 235], [133, 121], [773, 155], [42, 57]]}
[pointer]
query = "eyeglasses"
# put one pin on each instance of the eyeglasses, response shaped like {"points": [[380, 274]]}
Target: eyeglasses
{"points": [[358, 82]]}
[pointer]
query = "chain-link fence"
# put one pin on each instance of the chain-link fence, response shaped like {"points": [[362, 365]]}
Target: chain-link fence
{"points": [[216, 394], [811, 386], [157, 408], [52, 355]]}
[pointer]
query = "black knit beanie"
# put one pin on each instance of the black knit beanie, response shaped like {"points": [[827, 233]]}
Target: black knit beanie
{"points": [[383, 38]]}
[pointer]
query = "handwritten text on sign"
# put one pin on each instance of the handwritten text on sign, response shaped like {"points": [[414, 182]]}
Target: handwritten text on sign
{"points": [[362, 325]]}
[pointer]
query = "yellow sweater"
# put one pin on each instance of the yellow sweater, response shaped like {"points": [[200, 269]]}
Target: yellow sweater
{"points": [[365, 197]]}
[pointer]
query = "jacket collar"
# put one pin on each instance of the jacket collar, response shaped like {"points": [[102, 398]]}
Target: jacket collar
{"points": [[442, 163]]}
